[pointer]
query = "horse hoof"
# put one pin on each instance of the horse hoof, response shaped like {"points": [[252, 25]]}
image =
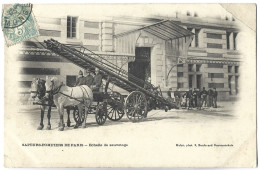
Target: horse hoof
{"points": [[61, 128], [40, 127], [76, 126], [49, 127], [68, 124]]}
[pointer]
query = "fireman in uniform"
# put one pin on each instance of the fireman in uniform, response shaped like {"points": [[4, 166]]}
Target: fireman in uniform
{"points": [[195, 96], [215, 95], [89, 78], [189, 99], [97, 82], [204, 95], [81, 79]]}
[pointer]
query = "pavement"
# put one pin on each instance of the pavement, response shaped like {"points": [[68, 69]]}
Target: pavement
{"points": [[154, 138], [224, 112]]}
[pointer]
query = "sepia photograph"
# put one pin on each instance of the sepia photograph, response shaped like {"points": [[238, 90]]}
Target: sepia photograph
{"points": [[130, 85]]}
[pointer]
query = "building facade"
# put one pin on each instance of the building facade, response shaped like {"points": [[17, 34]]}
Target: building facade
{"points": [[149, 48]]}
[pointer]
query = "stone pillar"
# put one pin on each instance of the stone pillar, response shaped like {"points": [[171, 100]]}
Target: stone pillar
{"points": [[201, 37], [231, 44], [107, 31], [233, 85], [64, 28]]}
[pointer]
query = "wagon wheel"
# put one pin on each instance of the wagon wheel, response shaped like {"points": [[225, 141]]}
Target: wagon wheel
{"points": [[136, 106], [79, 120], [101, 113], [115, 109]]}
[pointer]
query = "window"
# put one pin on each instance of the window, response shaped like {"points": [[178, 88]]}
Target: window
{"points": [[217, 55], [91, 24], [71, 81], [71, 27], [91, 36], [40, 71], [234, 39], [215, 65], [213, 45], [198, 67], [216, 85], [25, 84], [190, 66], [180, 65], [229, 69], [92, 47], [188, 13], [190, 81], [180, 74], [197, 31], [180, 85], [214, 36], [228, 43], [51, 33], [216, 75], [236, 69]]}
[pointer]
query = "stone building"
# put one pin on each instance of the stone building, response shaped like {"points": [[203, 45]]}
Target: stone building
{"points": [[150, 48]]}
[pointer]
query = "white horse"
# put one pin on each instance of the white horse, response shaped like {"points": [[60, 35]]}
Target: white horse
{"points": [[80, 96]]}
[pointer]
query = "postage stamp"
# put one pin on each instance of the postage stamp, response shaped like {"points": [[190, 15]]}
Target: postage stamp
{"points": [[18, 23]]}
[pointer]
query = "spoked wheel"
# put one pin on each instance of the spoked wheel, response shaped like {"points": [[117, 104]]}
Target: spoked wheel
{"points": [[79, 120], [115, 107], [101, 113], [136, 106]]}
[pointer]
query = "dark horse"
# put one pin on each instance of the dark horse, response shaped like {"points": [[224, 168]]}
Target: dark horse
{"points": [[38, 90]]}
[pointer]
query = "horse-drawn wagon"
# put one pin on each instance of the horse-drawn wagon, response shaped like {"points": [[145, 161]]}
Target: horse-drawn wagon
{"points": [[143, 96]]}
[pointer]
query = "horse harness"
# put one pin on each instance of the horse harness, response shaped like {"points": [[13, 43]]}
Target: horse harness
{"points": [[56, 91]]}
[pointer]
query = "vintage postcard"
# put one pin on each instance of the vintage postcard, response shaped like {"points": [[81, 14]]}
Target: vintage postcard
{"points": [[130, 85]]}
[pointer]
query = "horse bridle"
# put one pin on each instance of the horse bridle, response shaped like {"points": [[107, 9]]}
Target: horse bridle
{"points": [[38, 92], [53, 91]]}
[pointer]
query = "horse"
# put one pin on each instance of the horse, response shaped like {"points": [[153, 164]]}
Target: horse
{"points": [[64, 96], [38, 90]]}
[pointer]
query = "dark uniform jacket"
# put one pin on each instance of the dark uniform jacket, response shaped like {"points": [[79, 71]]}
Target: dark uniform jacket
{"points": [[81, 81], [189, 94], [204, 92], [177, 94], [89, 80], [195, 93], [215, 94], [97, 81], [210, 92]]}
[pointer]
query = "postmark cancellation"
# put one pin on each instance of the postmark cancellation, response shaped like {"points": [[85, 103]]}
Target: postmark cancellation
{"points": [[18, 23]]}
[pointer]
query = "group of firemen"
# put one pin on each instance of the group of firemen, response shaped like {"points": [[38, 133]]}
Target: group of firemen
{"points": [[196, 98], [94, 82]]}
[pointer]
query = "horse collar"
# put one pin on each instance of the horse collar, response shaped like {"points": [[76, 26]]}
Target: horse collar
{"points": [[57, 90]]}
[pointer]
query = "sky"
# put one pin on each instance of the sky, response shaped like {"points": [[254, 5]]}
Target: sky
{"points": [[103, 11]]}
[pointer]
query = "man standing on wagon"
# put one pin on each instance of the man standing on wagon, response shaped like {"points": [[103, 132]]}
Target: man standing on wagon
{"points": [[97, 82], [89, 78], [81, 79]]}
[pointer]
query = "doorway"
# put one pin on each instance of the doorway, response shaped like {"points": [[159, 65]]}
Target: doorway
{"points": [[199, 81], [190, 81], [141, 67]]}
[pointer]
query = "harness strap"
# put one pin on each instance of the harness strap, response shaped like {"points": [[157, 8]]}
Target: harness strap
{"points": [[70, 97]]}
